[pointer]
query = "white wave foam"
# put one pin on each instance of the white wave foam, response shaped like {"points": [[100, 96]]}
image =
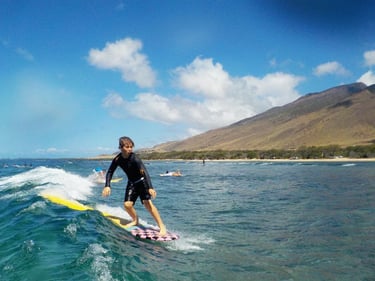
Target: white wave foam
{"points": [[99, 262], [71, 230], [115, 211], [190, 243], [35, 207], [52, 181], [18, 195], [348, 165]]}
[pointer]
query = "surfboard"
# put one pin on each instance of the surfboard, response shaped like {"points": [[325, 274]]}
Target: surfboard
{"points": [[102, 180], [140, 231], [116, 179]]}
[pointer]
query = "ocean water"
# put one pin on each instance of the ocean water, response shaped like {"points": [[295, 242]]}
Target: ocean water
{"points": [[237, 221]]}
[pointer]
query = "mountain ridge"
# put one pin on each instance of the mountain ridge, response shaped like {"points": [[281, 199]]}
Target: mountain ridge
{"points": [[342, 115]]}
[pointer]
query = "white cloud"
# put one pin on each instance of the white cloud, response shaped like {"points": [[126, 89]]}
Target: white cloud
{"points": [[146, 106], [125, 56], [203, 77], [368, 78], [369, 57], [332, 67], [212, 97]]}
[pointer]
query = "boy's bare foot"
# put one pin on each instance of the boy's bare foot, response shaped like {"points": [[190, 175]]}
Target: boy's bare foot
{"points": [[130, 224], [163, 231]]}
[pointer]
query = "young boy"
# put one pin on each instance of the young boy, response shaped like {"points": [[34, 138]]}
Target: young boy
{"points": [[139, 183]]}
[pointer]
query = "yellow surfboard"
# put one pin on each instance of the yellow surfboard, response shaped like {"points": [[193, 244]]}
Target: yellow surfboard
{"points": [[139, 231], [74, 205]]}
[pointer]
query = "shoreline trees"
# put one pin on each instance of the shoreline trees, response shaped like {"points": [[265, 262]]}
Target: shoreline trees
{"points": [[313, 152]]}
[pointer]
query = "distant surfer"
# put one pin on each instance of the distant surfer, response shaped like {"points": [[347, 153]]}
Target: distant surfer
{"points": [[139, 183], [99, 173]]}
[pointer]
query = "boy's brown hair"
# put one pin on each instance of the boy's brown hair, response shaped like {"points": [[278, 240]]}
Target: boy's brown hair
{"points": [[124, 140]]}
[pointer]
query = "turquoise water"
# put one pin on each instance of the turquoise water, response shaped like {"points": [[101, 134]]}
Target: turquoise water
{"points": [[237, 221]]}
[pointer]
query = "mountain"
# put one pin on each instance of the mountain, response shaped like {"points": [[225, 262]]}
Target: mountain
{"points": [[343, 115]]}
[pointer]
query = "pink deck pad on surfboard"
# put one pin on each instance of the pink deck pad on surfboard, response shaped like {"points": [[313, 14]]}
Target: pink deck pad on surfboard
{"points": [[152, 234]]}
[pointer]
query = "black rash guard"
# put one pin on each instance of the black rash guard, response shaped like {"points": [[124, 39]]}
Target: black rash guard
{"points": [[133, 168]]}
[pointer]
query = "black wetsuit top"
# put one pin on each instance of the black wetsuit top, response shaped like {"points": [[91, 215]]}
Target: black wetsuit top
{"points": [[133, 168]]}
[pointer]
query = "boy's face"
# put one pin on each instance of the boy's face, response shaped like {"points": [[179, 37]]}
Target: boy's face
{"points": [[126, 148]]}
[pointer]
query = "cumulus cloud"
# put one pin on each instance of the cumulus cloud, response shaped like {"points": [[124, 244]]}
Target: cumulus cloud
{"points": [[212, 98], [147, 106], [125, 56], [368, 78], [204, 77], [369, 57], [332, 67]]}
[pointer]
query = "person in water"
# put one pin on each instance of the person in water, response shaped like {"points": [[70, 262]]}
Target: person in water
{"points": [[139, 183]]}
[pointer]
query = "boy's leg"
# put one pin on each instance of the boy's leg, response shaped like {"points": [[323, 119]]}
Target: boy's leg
{"points": [[155, 214], [129, 207]]}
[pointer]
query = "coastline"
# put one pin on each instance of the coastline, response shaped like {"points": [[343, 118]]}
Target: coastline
{"points": [[341, 159], [301, 160]]}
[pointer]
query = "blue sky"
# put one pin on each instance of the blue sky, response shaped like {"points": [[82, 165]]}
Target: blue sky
{"points": [[76, 75]]}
